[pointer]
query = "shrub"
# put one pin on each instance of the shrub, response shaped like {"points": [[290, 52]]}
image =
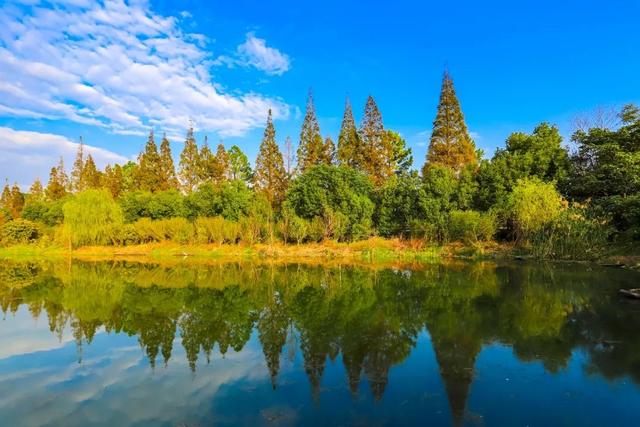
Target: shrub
{"points": [[299, 229], [316, 229], [216, 230], [48, 213], [471, 226], [162, 205], [570, 236], [252, 229], [92, 218], [231, 200], [145, 230], [531, 205], [19, 231]]}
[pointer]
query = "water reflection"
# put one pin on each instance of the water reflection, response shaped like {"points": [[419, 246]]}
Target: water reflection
{"points": [[368, 320]]}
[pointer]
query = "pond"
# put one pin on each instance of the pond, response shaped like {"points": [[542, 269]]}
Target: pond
{"points": [[188, 344]]}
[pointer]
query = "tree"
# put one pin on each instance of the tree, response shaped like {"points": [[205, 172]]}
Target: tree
{"points": [[91, 176], [77, 172], [221, 169], [288, 156], [113, 180], [450, 143], [5, 199], [16, 201], [311, 150], [239, 167], [206, 162], [58, 182], [167, 169], [539, 154], [606, 170], [327, 155], [36, 191], [376, 147], [149, 172], [401, 158], [92, 217], [399, 204], [189, 163], [339, 196], [270, 176], [349, 150]]}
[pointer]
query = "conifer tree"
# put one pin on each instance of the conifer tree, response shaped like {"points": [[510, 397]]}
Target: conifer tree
{"points": [[328, 153], [189, 163], [270, 176], [36, 191], [402, 159], [376, 148], [239, 167], [5, 199], [206, 162], [113, 180], [167, 168], [221, 165], [450, 144], [311, 148], [349, 150], [77, 171], [16, 203], [149, 171], [91, 176], [58, 184]]}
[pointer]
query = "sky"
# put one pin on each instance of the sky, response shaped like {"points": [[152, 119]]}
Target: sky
{"points": [[109, 72]]}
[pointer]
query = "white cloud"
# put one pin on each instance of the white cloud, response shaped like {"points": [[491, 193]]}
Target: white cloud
{"points": [[255, 52], [122, 67], [25, 155]]}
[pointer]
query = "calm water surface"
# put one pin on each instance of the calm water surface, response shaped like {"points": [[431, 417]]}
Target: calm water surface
{"points": [[132, 344]]}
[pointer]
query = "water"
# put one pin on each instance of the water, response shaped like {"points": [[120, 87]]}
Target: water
{"points": [[132, 344]]}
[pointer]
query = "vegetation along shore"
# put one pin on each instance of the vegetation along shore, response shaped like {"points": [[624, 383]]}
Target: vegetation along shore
{"points": [[357, 198]]}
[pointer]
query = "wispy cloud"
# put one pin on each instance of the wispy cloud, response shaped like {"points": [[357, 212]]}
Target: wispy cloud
{"points": [[25, 154], [255, 52], [122, 67]]}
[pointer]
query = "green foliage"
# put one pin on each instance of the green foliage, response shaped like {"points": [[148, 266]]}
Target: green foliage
{"points": [[606, 170], [149, 173], [531, 205], [571, 236], [216, 230], [312, 150], [189, 171], [270, 176], [91, 218], [450, 145], [239, 167], [47, 213], [471, 226], [399, 203], [335, 194], [145, 230], [19, 231], [161, 205], [538, 155], [377, 148], [231, 200], [349, 144]]}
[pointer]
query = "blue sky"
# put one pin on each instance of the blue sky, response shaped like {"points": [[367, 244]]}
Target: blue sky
{"points": [[111, 71]]}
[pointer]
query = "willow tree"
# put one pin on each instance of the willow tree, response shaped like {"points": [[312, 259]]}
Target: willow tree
{"points": [[349, 150], [450, 145], [311, 151], [189, 163], [270, 176], [92, 218]]}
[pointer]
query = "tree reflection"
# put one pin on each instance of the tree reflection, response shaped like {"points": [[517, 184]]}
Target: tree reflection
{"points": [[371, 319]]}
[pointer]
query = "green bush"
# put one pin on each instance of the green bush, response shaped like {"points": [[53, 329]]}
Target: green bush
{"points": [[19, 231], [161, 205], [92, 218], [216, 230], [471, 226], [252, 229], [231, 200], [48, 213], [145, 230], [530, 206]]}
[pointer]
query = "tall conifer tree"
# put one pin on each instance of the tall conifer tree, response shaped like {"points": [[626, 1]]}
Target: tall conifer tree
{"points": [[189, 163], [16, 202], [450, 144], [113, 180], [91, 176], [5, 199], [328, 153], [376, 148], [149, 171], [167, 168], [206, 162], [270, 176], [349, 150], [310, 150], [36, 191], [221, 166], [58, 184], [77, 172], [239, 167]]}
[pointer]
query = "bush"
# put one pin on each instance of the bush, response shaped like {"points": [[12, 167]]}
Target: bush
{"points": [[334, 194], [162, 205], [145, 230], [571, 236], [19, 231], [92, 218], [252, 229], [231, 200], [471, 226], [531, 205], [216, 230], [48, 213]]}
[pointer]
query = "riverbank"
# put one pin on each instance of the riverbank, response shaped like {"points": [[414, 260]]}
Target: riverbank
{"points": [[374, 250]]}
